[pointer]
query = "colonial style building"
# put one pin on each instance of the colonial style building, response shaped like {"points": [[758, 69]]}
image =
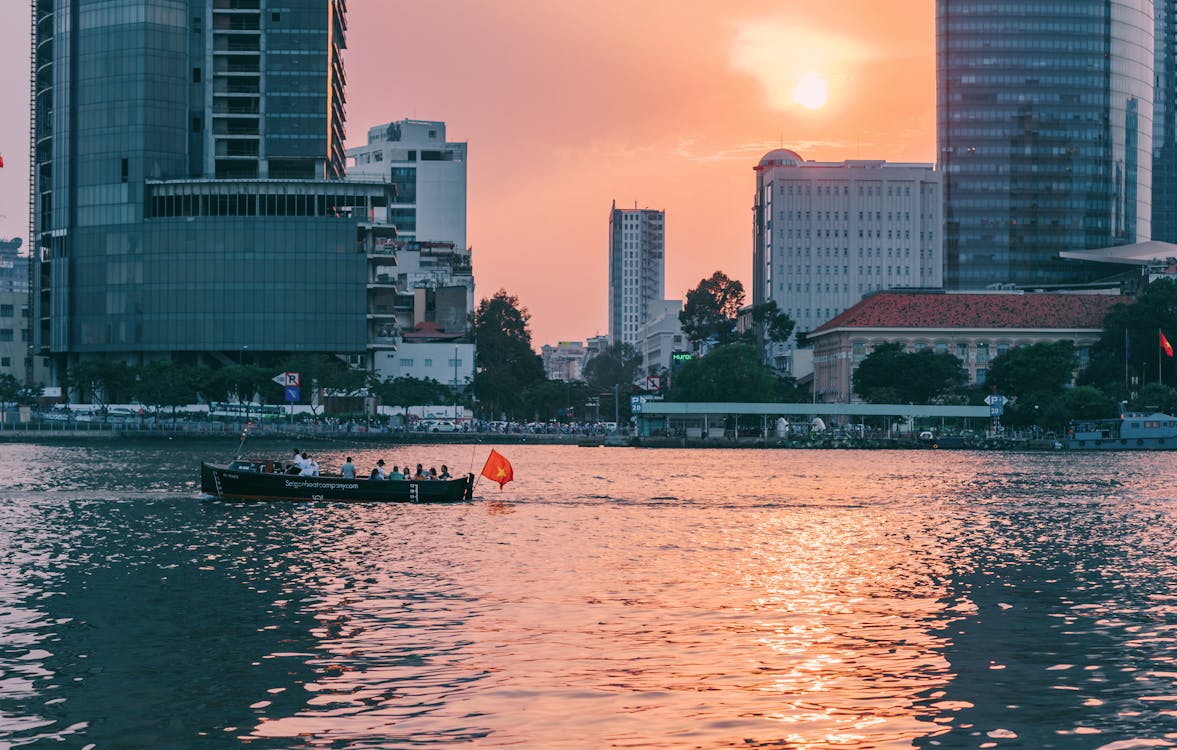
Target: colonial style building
{"points": [[973, 327]]}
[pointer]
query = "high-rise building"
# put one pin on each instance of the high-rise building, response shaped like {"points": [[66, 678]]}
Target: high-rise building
{"points": [[188, 200], [826, 233], [432, 281], [1044, 130], [637, 270], [428, 174], [1164, 131]]}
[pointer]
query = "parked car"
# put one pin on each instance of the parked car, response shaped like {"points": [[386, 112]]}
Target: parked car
{"points": [[437, 425]]}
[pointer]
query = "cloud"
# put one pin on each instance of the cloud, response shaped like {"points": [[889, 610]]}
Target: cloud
{"points": [[779, 50]]}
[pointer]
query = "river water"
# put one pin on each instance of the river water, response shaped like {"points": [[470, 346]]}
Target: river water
{"points": [[609, 597]]}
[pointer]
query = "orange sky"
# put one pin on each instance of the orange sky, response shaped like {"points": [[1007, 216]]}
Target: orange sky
{"points": [[569, 105]]}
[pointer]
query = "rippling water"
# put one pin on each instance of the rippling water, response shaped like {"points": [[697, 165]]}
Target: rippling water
{"points": [[608, 597]]}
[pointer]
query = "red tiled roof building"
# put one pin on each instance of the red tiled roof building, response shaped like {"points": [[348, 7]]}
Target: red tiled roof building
{"points": [[973, 327]]}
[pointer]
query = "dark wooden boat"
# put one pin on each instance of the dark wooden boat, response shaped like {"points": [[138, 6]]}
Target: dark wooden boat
{"points": [[244, 479]]}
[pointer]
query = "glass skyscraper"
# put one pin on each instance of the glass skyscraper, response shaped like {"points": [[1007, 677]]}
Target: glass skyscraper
{"points": [[1164, 138], [1044, 130], [188, 194]]}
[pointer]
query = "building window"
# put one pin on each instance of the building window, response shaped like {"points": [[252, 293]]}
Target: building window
{"points": [[7, 334], [428, 362], [982, 356], [5, 361], [196, 75], [981, 375], [406, 362], [7, 311]]}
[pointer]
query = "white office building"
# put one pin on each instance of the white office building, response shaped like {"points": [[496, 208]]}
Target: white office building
{"points": [[637, 270], [827, 233], [660, 337], [429, 174]]}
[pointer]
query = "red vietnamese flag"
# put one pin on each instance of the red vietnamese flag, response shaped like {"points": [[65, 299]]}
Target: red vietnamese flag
{"points": [[1, 160], [1168, 348], [498, 468]]}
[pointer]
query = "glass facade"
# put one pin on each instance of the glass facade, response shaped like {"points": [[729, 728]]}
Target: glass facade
{"points": [[1164, 139], [1044, 129], [161, 227]]}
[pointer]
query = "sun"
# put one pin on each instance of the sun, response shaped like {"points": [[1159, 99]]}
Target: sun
{"points": [[810, 91]]}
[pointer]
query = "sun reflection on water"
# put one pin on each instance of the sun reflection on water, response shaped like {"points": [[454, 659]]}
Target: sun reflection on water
{"points": [[655, 599]]}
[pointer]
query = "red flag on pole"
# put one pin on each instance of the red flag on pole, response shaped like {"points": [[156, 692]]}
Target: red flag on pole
{"points": [[1, 160], [1166, 346], [498, 468]]}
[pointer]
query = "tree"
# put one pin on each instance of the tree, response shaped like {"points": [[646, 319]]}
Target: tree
{"points": [[410, 391], [505, 363], [891, 375], [710, 309], [163, 383], [617, 366], [727, 373], [316, 371], [1131, 340], [10, 389], [103, 381], [1040, 368], [775, 326], [1155, 397]]}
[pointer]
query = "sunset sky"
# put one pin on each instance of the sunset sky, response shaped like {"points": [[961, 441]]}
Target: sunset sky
{"points": [[570, 105]]}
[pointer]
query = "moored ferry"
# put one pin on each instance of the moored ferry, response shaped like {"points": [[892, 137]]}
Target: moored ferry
{"points": [[1132, 431]]}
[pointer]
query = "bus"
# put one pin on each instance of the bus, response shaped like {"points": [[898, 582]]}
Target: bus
{"points": [[263, 412]]}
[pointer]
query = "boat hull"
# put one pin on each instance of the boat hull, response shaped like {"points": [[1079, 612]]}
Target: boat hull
{"points": [[222, 481]]}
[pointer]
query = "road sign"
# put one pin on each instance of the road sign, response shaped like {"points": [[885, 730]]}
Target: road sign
{"points": [[285, 379], [292, 393], [635, 404], [996, 409], [653, 383], [996, 400]]}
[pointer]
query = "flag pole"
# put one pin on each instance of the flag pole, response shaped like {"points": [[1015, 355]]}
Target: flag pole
{"points": [[1160, 351]]}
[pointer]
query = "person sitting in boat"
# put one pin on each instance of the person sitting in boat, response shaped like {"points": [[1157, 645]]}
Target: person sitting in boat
{"points": [[420, 474], [378, 472], [396, 474], [445, 472], [348, 470], [296, 464], [310, 467], [432, 473]]}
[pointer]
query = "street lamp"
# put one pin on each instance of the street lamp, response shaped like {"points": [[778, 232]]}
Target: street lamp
{"points": [[241, 358]]}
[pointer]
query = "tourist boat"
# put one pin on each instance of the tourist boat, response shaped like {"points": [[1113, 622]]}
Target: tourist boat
{"points": [[246, 479], [1132, 431]]}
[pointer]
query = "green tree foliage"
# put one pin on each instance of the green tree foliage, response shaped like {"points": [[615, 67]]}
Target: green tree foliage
{"points": [[617, 366], [409, 391], [711, 308], [1085, 402], [315, 371], [891, 375], [1154, 310], [775, 326], [505, 363], [1040, 368], [1155, 397], [728, 373], [101, 381], [163, 383], [10, 389]]}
